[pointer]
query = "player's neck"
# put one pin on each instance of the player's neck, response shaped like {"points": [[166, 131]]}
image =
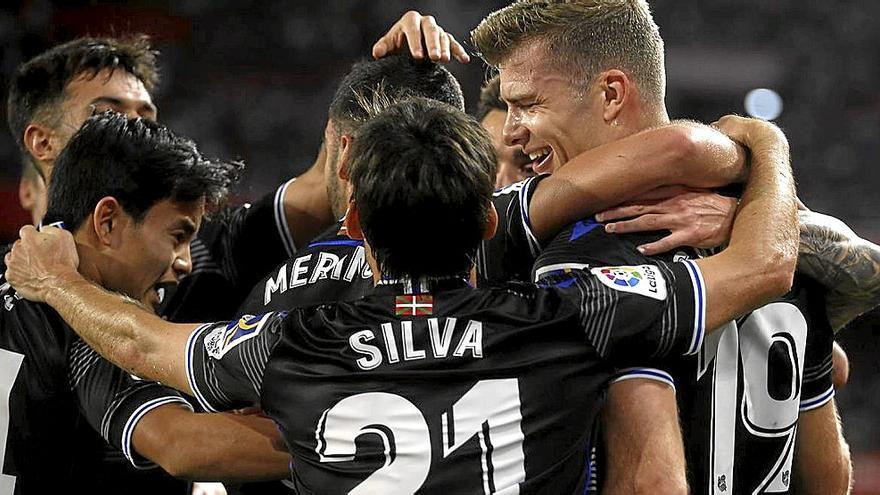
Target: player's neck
{"points": [[91, 261]]}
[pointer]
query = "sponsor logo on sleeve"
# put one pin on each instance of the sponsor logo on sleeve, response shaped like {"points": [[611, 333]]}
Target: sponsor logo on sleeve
{"points": [[223, 339], [644, 280]]}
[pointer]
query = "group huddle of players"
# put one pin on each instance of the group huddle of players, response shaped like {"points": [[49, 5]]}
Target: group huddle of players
{"points": [[385, 323]]}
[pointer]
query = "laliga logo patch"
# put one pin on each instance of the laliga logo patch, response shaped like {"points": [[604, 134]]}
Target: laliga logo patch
{"points": [[222, 340], [644, 280]]}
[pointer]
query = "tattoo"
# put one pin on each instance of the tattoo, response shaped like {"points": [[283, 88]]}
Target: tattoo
{"points": [[847, 265]]}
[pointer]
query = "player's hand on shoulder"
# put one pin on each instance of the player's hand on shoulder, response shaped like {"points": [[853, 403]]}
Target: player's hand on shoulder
{"points": [[752, 133], [695, 217], [39, 260], [418, 33]]}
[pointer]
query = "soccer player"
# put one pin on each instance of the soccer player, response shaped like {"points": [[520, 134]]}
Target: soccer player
{"points": [[430, 383], [134, 195], [590, 89], [51, 95]]}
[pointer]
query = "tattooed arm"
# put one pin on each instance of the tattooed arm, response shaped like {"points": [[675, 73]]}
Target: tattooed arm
{"points": [[846, 264]]}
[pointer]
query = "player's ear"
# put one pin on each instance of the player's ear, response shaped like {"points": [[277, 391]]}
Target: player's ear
{"points": [[491, 222], [42, 143], [346, 140], [352, 222], [615, 87], [106, 220]]}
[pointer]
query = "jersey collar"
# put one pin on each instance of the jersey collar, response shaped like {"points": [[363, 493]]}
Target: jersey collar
{"points": [[424, 285]]}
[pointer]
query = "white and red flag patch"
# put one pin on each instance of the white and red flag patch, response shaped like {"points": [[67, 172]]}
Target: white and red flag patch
{"points": [[414, 305]]}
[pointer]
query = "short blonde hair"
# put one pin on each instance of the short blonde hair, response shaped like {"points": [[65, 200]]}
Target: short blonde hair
{"points": [[585, 37]]}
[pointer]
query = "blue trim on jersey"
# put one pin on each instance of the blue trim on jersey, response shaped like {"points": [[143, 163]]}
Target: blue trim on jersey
{"points": [[700, 307], [134, 419], [534, 245], [190, 377], [819, 401], [648, 373], [340, 242]]}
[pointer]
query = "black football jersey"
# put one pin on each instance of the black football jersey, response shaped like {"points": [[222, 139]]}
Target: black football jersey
{"points": [[60, 405], [453, 390], [333, 267], [740, 396], [231, 251], [510, 253]]}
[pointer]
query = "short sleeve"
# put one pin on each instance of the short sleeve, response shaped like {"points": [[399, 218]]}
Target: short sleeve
{"points": [[225, 362], [634, 314], [509, 254], [818, 388], [114, 401]]}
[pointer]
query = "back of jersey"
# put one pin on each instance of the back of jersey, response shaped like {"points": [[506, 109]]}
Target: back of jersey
{"points": [[459, 391], [746, 390], [333, 267]]}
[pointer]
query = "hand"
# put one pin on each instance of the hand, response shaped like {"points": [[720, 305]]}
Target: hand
{"points": [[696, 217], [420, 32], [38, 260], [749, 132]]}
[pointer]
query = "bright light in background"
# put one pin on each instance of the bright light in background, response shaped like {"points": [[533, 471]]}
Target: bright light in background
{"points": [[763, 103]]}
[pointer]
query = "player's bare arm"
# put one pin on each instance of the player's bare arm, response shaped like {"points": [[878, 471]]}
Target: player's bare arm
{"points": [[248, 449], [826, 469], [846, 264], [420, 33], [759, 263], [677, 154], [306, 204], [643, 443], [43, 268]]}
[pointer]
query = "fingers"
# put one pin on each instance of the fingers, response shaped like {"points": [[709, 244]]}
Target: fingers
{"points": [[458, 51], [624, 211], [664, 245], [445, 45], [422, 36], [411, 29], [432, 34], [643, 223]]}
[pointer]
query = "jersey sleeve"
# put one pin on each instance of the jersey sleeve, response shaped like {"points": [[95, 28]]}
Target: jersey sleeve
{"points": [[225, 362], [637, 314], [114, 401], [818, 389], [509, 254]]}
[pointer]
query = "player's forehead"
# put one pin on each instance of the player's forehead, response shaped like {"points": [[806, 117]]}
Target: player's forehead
{"points": [[172, 214], [116, 88], [528, 72]]}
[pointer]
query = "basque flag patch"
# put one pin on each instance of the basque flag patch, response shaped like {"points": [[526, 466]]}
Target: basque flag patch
{"points": [[414, 305]]}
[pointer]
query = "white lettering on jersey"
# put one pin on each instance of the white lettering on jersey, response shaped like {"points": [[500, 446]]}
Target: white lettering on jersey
{"points": [[358, 342], [302, 271], [644, 280], [469, 341]]}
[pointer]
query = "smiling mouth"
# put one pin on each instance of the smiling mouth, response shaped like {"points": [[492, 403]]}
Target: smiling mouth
{"points": [[540, 159]]}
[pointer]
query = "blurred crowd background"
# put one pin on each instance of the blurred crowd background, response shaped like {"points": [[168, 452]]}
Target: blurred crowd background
{"points": [[253, 79]]}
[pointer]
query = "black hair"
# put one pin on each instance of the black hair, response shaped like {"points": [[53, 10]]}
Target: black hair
{"points": [[398, 76], [490, 98], [39, 83], [423, 174], [136, 161]]}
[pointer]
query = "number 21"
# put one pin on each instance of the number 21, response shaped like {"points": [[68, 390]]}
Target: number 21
{"points": [[490, 410]]}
